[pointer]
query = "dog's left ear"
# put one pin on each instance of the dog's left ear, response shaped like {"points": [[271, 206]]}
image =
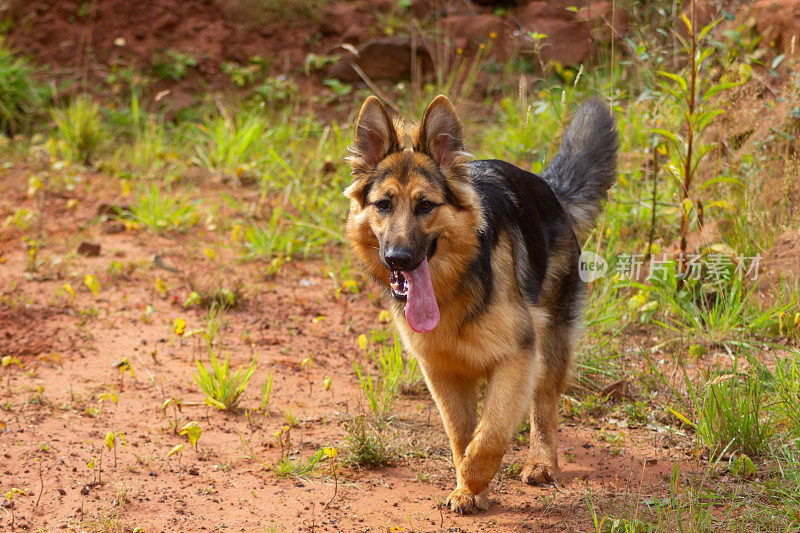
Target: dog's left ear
{"points": [[440, 134]]}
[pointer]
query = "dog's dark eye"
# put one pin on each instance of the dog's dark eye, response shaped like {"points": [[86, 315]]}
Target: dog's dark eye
{"points": [[425, 207], [383, 205]]}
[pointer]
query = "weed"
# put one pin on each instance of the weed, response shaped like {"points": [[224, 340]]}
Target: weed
{"points": [[402, 375], [79, 130], [173, 65], [366, 444], [21, 98], [636, 412], [297, 468], [159, 212], [692, 94], [591, 405], [222, 387], [787, 385], [275, 90], [266, 391], [229, 146], [380, 393], [734, 417], [177, 407], [217, 296]]}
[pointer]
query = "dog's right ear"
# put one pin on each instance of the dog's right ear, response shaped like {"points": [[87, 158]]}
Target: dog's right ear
{"points": [[375, 138]]}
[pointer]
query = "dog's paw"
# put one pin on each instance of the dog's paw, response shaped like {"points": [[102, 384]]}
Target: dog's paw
{"points": [[462, 501], [535, 473]]}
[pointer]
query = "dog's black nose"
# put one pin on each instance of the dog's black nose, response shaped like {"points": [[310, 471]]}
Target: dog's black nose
{"points": [[398, 258]]}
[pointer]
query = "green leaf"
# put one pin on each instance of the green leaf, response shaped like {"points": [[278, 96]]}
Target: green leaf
{"points": [[708, 27], [705, 118], [681, 417], [111, 440], [668, 135], [92, 284], [720, 87], [687, 22], [214, 403], [176, 449], [676, 78], [732, 180], [192, 431]]}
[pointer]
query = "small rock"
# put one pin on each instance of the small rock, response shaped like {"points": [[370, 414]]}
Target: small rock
{"points": [[110, 210], [113, 228], [89, 249], [383, 59]]}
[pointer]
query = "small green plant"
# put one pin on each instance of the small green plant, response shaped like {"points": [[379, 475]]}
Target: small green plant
{"points": [[177, 450], [266, 391], [380, 393], [10, 495], [177, 407], [397, 371], [111, 442], [275, 90], [692, 93], [222, 387], [192, 431], [734, 417], [173, 65], [787, 385], [229, 146], [366, 444], [242, 75], [21, 98], [159, 212], [297, 468], [79, 130], [636, 412]]}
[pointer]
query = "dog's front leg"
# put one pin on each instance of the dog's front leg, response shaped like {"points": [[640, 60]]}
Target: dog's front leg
{"points": [[456, 396], [507, 396]]}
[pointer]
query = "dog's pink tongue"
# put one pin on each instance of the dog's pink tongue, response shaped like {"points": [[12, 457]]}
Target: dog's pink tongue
{"points": [[422, 312]]}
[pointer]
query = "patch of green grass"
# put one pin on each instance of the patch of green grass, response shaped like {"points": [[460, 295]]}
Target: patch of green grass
{"points": [[159, 212], [297, 468], [279, 237], [231, 145], [21, 97], [381, 393], [220, 384], [152, 148], [735, 417], [79, 130], [173, 65], [712, 312], [366, 444], [402, 374]]}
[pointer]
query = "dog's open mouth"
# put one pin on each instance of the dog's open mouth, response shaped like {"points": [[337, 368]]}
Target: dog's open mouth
{"points": [[399, 285], [416, 289]]}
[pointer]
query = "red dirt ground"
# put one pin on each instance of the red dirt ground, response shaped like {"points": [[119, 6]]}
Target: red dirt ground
{"points": [[88, 40], [55, 420]]}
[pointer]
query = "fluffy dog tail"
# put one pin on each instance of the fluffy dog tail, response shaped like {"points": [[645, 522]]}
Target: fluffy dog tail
{"points": [[585, 166]]}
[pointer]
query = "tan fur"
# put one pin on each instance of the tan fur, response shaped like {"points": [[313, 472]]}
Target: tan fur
{"points": [[459, 353]]}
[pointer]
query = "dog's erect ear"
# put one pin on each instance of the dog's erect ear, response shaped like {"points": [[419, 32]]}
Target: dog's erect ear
{"points": [[375, 136], [440, 134]]}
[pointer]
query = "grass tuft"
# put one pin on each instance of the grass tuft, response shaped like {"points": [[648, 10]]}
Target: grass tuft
{"points": [[222, 386]]}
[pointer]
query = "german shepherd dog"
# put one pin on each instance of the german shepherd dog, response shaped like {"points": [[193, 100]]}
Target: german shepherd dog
{"points": [[479, 261]]}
